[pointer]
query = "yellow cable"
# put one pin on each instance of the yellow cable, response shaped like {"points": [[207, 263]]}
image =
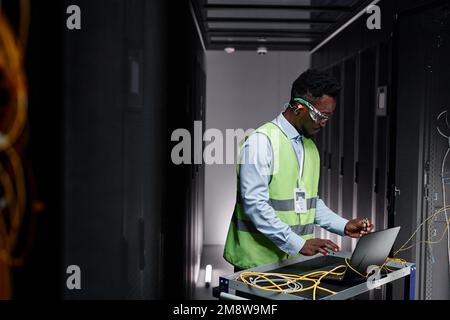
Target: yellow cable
{"points": [[293, 278], [21, 196], [317, 276], [290, 280], [11, 65], [16, 205], [24, 27], [402, 248], [354, 270], [426, 241], [398, 260], [313, 277], [8, 191], [324, 275], [12, 53]]}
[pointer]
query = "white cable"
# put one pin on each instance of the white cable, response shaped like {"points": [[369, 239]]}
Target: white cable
{"points": [[443, 182], [445, 203], [282, 279], [437, 127]]}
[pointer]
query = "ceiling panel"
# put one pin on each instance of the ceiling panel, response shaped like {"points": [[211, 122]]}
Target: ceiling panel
{"points": [[276, 24], [268, 26], [284, 2]]}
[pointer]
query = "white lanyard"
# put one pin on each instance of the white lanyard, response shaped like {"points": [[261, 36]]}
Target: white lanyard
{"points": [[300, 164], [300, 203]]}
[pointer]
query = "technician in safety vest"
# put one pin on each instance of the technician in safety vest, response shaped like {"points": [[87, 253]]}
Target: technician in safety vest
{"points": [[277, 205]]}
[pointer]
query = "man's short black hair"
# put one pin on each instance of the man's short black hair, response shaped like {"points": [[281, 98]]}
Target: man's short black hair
{"points": [[313, 84]]}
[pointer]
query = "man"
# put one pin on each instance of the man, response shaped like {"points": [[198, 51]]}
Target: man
{"points": [[277, 204]]}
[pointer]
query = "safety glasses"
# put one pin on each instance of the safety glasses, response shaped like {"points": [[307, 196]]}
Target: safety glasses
{"points": [[315, 114]]}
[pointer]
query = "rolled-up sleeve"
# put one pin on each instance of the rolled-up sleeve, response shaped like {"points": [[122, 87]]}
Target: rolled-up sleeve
{"points": [[329, 220], [255, 168]]}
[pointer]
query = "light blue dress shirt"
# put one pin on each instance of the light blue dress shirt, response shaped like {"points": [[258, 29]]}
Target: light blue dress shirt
{"points": [[256, 165]]}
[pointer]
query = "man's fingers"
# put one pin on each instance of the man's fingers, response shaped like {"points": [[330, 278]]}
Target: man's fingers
{"points": [[365, 225], [331, 245], [322, 251], [327, 244], [367, 228]]}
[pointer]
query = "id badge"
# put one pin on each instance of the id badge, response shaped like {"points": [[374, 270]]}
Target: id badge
{"points": [[300, 201]]}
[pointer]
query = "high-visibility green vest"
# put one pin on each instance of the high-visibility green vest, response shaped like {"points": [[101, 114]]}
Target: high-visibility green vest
{"points": [[245, 246]]}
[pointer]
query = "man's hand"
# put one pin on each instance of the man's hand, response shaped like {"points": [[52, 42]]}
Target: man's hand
{"points": [[357, 227], [313, 246]]}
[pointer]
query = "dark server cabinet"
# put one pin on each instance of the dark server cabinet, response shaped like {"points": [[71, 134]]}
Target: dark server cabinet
{"points": [[348, 171], [134, 154], [335, 147], [194, 220], [318, 141], [365, 162], [93, 192], [142, 144], [437, 159], [325, 174], [394, 88], [184, 205], [322, 142], [382, 131], [354, 144], [114, 147], [330, 174], [421, 175]]}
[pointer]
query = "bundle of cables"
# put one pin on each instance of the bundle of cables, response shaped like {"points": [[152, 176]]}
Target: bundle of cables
{"points": [[404, 247], [292, 283], [13, 119]]}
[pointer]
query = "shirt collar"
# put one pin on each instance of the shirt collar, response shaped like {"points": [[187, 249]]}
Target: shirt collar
{"points": [[287, 128]]}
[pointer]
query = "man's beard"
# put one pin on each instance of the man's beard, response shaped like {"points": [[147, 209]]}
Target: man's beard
{"points": [[304, 132]]}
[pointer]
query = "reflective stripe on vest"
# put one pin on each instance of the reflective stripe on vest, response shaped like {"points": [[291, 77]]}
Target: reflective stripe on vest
{"points": [[248, 226], [286, 205]]}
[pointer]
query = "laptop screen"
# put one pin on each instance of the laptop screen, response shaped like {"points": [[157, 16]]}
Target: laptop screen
{"points": [[373, 249]]}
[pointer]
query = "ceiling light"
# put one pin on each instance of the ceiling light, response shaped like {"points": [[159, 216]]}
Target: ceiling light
{"points": [[229, 50], [262, 51]]}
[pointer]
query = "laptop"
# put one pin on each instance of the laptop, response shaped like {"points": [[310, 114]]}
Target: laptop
{"points": [[371, 249]]}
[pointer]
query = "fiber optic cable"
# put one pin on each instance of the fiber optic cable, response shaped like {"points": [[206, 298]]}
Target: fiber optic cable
{"points": [[444, 113], [404, 248], [292, 282], [12, 124]]}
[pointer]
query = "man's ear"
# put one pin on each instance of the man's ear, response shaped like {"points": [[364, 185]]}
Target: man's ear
{"points": [[299, 108]]}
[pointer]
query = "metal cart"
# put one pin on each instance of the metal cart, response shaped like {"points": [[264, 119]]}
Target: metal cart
{"points": [[303, 265]]}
